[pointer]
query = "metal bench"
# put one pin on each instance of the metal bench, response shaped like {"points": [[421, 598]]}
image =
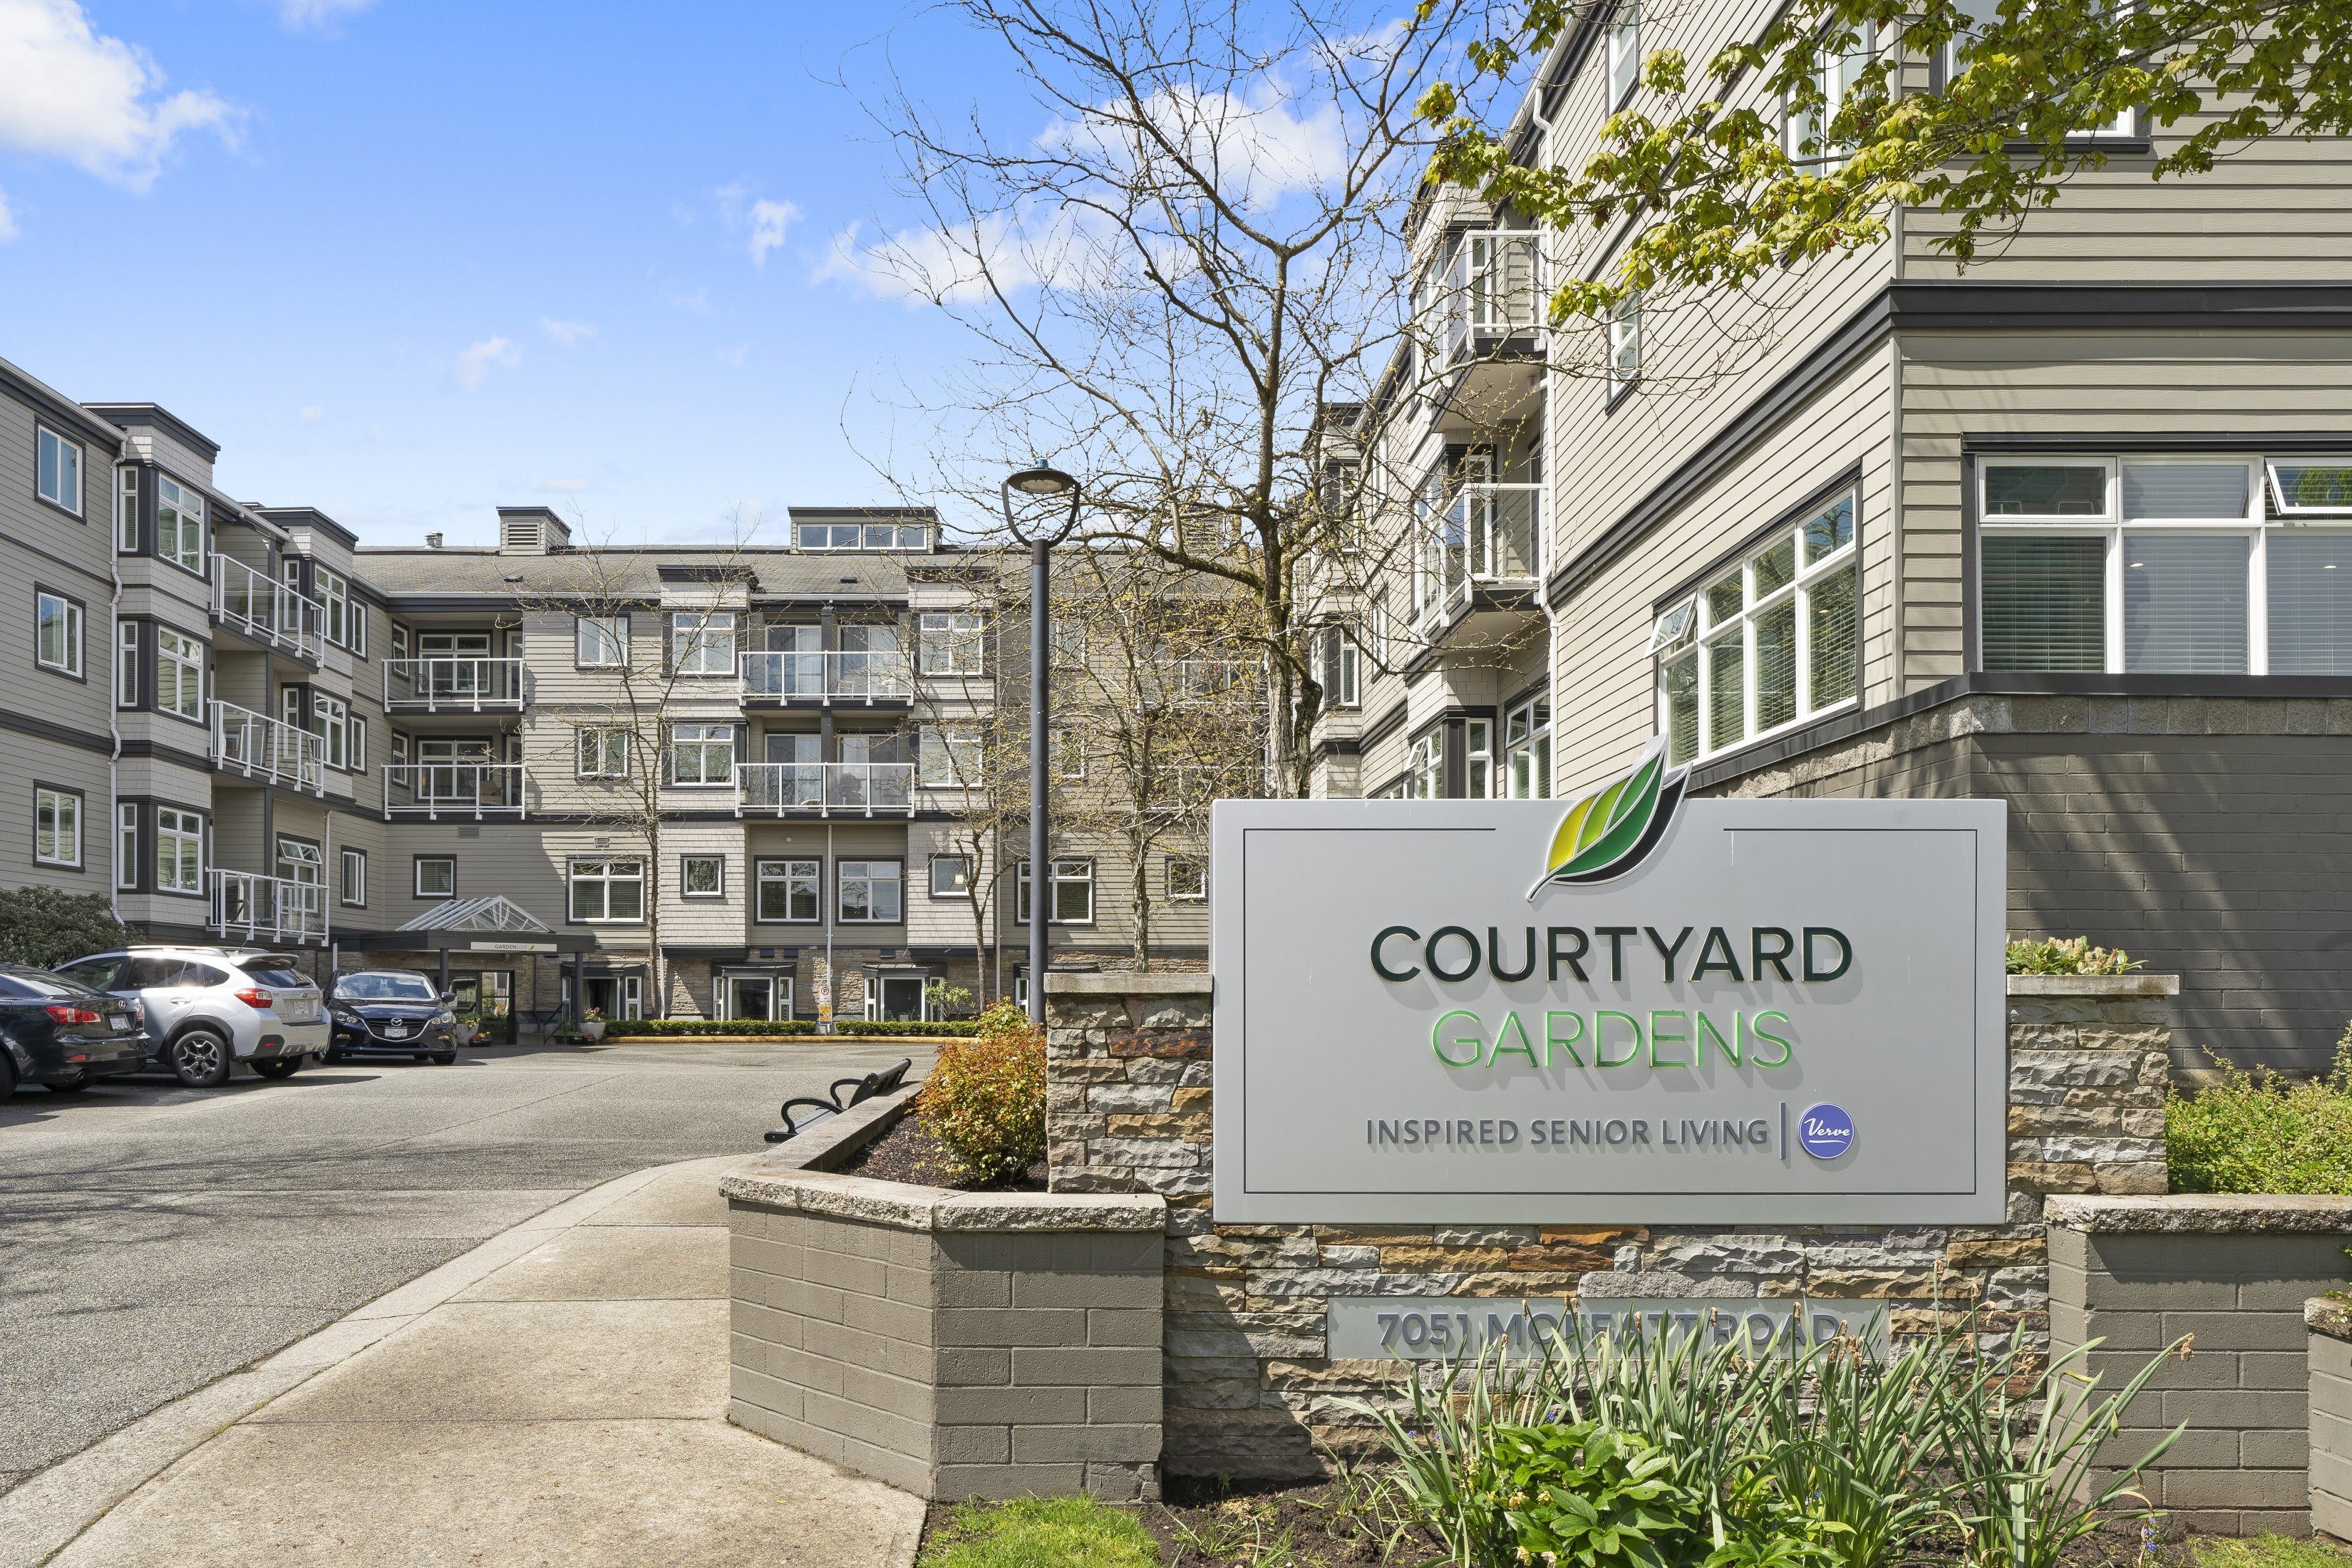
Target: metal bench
{"points": [[861, 1090]]}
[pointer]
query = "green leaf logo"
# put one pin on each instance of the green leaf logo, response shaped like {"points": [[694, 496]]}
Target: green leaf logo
{"points": [[1607, 833]]}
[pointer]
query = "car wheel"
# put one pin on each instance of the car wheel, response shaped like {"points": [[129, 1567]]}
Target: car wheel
{"points": [[282, 1068], [201, 1059], [76, 1086], [446, 1058], [331, 1055]]}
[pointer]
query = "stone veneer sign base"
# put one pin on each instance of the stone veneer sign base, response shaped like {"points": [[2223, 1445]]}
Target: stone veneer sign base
{"points": [[955, 1344]]}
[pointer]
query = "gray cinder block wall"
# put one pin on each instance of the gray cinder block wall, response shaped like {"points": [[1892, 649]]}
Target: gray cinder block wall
{"points": [[1250, 1389], [953, 1345], [2330, 1353], [2234, 1270]]}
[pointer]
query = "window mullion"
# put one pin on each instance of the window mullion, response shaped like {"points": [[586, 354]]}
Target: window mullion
{"points": [[2115, 600], [2258, 599]]}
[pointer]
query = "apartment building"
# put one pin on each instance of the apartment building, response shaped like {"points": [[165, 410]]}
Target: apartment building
{"points": [[757, 775], [2065, 529]]}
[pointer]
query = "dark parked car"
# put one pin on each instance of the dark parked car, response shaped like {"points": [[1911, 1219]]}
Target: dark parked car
{"points": [[60, 1033], [390, 1011]]}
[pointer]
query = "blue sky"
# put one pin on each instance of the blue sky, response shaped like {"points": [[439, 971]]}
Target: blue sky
{"points": [[409, 260]]}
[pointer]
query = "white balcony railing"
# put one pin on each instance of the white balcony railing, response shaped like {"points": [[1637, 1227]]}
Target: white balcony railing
{"points": [[266, 611], [261, 747], [454, 789], [1486, 533], [254, 908], [827, 789], [453, 685], [1492, 292], [817, 677]]}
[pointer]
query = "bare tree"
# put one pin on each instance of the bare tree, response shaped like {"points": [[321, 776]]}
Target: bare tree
{"points": [[1196, 287], [644, 655]]}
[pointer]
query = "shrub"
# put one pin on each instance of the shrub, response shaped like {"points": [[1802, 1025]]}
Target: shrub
{"points": [[764, 1027], [2259, 1132], [47, 927], [985, 1098], [2068, 955]]}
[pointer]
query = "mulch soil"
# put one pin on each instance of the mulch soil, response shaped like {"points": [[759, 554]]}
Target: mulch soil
{"points": [[1206, 1523], [907, 1152]]}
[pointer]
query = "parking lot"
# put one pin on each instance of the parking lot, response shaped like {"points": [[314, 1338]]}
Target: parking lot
{"points": [[154, 1237]]}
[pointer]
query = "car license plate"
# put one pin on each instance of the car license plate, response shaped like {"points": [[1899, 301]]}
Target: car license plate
{"points": [[119, 1022], [299, 1011], [396, 1031]]}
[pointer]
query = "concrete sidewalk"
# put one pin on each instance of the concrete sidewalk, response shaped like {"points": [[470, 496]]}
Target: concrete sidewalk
{"points": [[557, 1395]]}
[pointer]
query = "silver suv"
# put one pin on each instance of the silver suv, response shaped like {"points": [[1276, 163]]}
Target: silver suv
{"points": [[210, 1008]]}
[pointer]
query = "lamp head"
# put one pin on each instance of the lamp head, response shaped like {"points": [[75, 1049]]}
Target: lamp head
{"points": [[1042, 480]]}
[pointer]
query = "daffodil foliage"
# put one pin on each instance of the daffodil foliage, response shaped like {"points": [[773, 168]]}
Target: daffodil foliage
{"points": [[1801, 142]]}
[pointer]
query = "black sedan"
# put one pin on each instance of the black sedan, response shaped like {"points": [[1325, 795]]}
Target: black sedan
{"points": [[396, 1012], [62, 1034]]}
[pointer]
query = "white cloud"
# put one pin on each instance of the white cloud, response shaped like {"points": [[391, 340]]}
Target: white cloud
{"points": [[563, 486], [317, 12], [956, 267], [769, 222], [1255, 146], [94, 101], [8, 220], [476, 362], [571, 334], [312, 413]]}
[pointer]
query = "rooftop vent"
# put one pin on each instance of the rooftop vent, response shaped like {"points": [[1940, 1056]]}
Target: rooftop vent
{"points": [[530, 531], [432, 542]]}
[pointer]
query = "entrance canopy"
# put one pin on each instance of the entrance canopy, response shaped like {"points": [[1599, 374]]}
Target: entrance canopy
{"points": [[493, 923]]}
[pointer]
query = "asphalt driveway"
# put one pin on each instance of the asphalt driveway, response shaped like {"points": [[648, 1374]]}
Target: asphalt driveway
{"points": [[153, 1239]]}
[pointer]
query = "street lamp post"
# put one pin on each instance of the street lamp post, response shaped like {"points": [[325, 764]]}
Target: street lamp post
{"points": [[1045, 484]]}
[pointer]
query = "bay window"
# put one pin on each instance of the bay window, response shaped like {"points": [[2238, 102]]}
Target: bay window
{"points": [[179, 850], [179, 674], [1768, 644], [179, 524], [2165, 565], [1526, 750]]}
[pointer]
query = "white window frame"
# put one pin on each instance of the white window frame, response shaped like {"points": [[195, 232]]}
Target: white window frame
{"points": [[1526, 750], [1704, 636], [2117, 530], [126, 663], [126, 845], [185, 510], [605, 874], [949, 756], [1186, 879], [861, 872], [350, 877], [952, 642], [792, 873], [417, 873], [333, 592], [1066, 754], [1069, 871], [179, 844], [330, 718], [702, 642], [709, 739], [356, 729], [2300, 508], [1835, 77], [1342, 669], [1622, 333], [57, 826], [685, 888], [1478, 758], [69, 615], [592, 752], [1425, 767], [953, 858], [58, 454], [1624, 53], [599, 635], [187, 667]]}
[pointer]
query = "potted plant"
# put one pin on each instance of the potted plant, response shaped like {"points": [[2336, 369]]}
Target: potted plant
{"points": [[592, 1024], [464, 1027]]}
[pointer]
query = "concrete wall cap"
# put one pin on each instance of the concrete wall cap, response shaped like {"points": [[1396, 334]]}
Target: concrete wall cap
{"points": [[2326, 1315], [2095, 985], [1185, 984], [1051, 1211], [2188, 1212], [903, 1205]]}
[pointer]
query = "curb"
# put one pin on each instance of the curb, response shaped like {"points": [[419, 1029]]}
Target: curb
{"points": [[47, 1514]]}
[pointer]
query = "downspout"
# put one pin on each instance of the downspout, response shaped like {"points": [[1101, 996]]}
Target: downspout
{"points": [[1544, 540], [114, 736]]}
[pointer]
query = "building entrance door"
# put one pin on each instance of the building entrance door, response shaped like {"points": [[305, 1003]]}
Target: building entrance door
{"points": [[489, 994], [750, 996], [902, 998]]}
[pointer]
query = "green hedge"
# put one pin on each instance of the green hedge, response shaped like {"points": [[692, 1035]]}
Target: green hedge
{"points": [[2259, 1132], [626, 1028]]}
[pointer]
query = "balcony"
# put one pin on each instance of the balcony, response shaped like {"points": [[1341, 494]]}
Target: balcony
{"points": [[268, 749], [825, 677], [435, 790], [1199, 681], [825, 789], [269, 613], [453, 685], [1491, 295], [272, 910], [1481, 563]]}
